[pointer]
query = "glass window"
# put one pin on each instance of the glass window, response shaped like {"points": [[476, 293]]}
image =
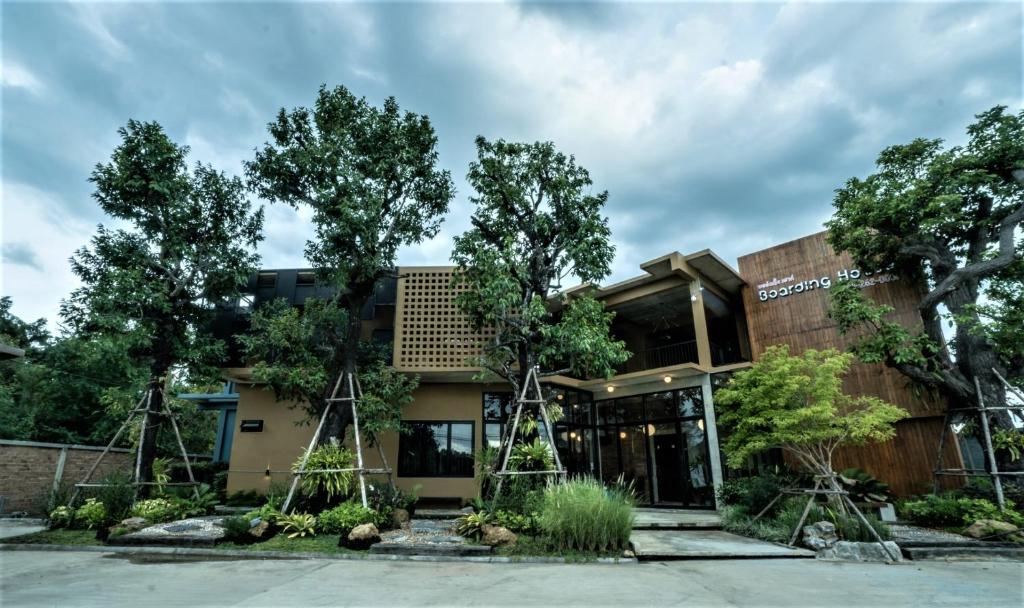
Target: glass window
{"points": [[691, 402], [266, 279], [661, 405], [436, 449], [305, 278]]}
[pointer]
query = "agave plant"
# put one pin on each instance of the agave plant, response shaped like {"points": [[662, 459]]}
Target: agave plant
{"points": [[533, 456], [472, 525], [324, 471], [863, 487], [298, 524]]}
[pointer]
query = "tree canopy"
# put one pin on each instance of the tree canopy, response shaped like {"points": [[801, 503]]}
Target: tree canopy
{"points": [[369, 176], [947, 218], [796, 403], [536, 223], [186, 243]]}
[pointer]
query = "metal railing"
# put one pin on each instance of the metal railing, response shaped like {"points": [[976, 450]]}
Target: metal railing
{"points": [[675, 354]]}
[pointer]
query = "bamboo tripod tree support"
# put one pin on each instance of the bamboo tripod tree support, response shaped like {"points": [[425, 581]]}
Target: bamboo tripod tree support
{"points": [[144, 410], [531, 383], [981, 410], [348, 383], [826, 485]]}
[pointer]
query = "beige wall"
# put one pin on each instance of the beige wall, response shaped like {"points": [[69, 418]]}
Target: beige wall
{"points": [[282, 441]]}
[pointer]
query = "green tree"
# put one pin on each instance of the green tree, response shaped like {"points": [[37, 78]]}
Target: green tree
{"points": [[946, 218], [295, 353], [187, 244], [535, 223], [796, 403], [369, 176]]}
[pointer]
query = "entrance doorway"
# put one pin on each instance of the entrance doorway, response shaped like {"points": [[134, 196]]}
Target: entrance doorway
{"points": [[657, 443]]}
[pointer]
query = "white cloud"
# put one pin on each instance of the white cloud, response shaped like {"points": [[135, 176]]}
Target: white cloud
{"points": [[29, 214], [17, 76]]}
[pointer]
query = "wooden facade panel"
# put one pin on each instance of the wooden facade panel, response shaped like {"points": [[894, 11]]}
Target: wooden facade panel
{"points": [[798, 316]]}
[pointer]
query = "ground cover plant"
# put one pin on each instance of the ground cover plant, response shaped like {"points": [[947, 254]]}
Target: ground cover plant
{"points": [[955, 512], [778, 524]]}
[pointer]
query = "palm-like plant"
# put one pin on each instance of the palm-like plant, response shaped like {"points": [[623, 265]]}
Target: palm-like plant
{"points": [[298, 524]]}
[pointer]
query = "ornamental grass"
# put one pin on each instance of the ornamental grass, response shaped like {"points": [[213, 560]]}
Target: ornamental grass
{"points": [[583, 515]]}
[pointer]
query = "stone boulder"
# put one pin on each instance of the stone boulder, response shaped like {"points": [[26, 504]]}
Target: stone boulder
{"points": [[133, 524], [820, 535], [861, 552], [361, 537], [260, 530], [497, 536], [988, 527], [400, 517]]}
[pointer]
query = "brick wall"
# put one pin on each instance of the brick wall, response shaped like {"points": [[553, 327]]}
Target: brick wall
{"points": [[28, 469]]}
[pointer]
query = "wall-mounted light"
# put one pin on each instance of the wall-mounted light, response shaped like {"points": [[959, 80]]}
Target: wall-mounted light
{"points": [[667, 379], [267, 472], [700, 424], [693, 298], [611, 389], [651, 430]]}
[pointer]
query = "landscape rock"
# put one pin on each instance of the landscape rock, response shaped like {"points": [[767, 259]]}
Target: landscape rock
{"points": [[498, 536], [361, 537], [988, 527], [133, 524], [861, 552], [259, 530], [820, 535], [400, 517], [467, 510]]}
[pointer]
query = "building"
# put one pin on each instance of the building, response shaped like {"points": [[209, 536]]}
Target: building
{"points": [[689, 321]]}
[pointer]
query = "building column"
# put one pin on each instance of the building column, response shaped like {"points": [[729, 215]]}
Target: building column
{"points": [[711, 431], [700, 325]]}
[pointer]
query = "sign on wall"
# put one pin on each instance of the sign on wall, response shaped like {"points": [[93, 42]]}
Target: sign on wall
{"points": [[780, 288]]}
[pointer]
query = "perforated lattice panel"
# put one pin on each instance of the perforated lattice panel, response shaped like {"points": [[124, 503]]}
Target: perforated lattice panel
{"points": [[430, 332]]}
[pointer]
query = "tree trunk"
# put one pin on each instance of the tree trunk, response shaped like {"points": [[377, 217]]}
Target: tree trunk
{"points": [[153, 421], [340, 416]]}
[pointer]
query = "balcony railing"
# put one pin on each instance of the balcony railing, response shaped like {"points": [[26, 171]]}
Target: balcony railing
{"points": [[675, 354], [661, 356]]}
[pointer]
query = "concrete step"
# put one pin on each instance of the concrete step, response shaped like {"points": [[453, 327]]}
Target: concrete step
{"points": [[676, 519], [661, 545], [441, 513], [429, 549]]}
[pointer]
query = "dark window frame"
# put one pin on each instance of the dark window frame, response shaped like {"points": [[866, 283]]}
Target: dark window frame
{"points": [[448, 446]]}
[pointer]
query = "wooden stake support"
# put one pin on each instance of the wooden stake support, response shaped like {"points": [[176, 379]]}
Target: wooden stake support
{"points": [[833, 489], [531, 383], [146, 411], [993, 471], [348, 384]]}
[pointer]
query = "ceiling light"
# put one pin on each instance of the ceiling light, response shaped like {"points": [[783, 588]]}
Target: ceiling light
{"points": [[700, 424], [611, 389], [622, 434], [667, 379]]}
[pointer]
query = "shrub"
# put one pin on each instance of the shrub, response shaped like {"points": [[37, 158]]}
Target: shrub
{"points": [[298, 524], [955, 512], [156, 510], [387, 498], [195, 506], [342, 518], [62, 517], [327, 457], [472, 525], [91, 514], [117, 495], [753, 493], [266, 513], [243, 498], [236, 530], [582, 514], [516, 522], [779, 528]]}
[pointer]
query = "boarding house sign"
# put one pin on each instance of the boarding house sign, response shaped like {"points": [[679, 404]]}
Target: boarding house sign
{"points": [[777, 288]]}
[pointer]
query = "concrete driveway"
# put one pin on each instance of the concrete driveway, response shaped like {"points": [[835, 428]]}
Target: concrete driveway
{"points": [[10, 527], [38, 578]]}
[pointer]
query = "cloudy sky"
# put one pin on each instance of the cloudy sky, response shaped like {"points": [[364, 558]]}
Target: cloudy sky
{"points": [[711, 125]]}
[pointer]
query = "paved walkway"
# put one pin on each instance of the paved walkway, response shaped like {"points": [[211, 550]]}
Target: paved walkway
{"points": [[30, 578], [10, 527], [647, 519]]}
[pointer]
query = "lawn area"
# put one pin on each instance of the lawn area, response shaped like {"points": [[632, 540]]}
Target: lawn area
{"points": [[310, 544], [57, 536]]}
